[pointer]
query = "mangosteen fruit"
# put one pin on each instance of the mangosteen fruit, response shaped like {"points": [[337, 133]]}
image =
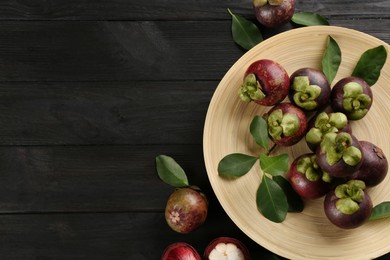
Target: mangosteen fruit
{"points": [[180, 251], [348, 205], [374, 167], [266, 82], [339, 154], [352, 96], [186, 209], [324, 123], [273, 13], [287, 124], [226, 248], [309, 89], [307, 178]]}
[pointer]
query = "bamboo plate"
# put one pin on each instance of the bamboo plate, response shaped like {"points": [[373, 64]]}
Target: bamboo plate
{"points": [[306, 235]]}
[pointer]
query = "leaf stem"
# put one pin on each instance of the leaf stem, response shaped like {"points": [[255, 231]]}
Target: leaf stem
{"points": [[272, 149]]}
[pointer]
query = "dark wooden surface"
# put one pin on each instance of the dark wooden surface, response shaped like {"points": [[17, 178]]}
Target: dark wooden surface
{"points": [[91, 92]]}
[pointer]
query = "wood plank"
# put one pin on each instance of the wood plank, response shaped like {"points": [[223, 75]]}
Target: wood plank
{"points": [[116, 51], [128, 51], [153, 112], [92, 178], [172, 10], [106, 236]]}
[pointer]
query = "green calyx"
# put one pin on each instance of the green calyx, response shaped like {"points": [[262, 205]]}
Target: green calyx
{"points": [[250, 89], [309, 167], [355, 101], [280, 124], [305, 94], [339, 146], [324, 124], [260, 3], [349, 196]]}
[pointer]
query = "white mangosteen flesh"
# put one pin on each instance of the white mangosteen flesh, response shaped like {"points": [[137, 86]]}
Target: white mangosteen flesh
{"points": [[227, 251]]}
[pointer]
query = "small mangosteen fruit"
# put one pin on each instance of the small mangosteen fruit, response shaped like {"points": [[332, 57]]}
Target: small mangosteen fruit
{"points": [[180, 251], [352, 96], [186, 209], [273, 13], [226, 248], [307, 178], [348, 205], [339, 154], [287, 124], [266, 82], [374, 167], [324, 123], [309, 89]]}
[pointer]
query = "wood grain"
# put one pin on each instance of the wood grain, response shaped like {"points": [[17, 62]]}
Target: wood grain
{"points": [[172, 9], [91, 92], [92, 178], [104, 236], [134, 112], [129, 51]]}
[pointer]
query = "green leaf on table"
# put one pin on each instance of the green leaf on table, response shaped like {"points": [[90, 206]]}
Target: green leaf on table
{"points": [[309, 19], [259, 131], [380, 211], [370, 64], [236, 165], [244, 32], [295, 202], [271, 200], [170, 171], [331, 59], [274, 165]]}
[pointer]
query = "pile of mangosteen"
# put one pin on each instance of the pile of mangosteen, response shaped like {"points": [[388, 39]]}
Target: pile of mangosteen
{"points": [[338, 166]]}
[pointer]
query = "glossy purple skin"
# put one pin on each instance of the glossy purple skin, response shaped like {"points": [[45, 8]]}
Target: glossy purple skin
{"points": [[226, 240], [273, 78], [180, 251], [316, 77], [288, 108], [305, 188], [340, 169], [347, 221], [374, 167], [186, 210], [272, 16], [338, 93]]}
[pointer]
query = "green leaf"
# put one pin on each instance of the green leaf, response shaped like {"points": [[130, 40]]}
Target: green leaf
{"points": [[271, 200], [295, 202], [170, 171], [380, 211], [236, 165], [274, 165], [331, 59], [259, 131], [245, 33], [309, 19], [370, 64]]}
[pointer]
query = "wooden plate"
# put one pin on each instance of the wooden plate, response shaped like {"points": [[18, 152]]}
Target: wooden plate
{"points": [[306, 235]]}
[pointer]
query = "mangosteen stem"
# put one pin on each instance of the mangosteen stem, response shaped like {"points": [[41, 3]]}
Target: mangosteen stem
{"points": [[259, 3], [355, 101], [305, 94], [324, 124], [275, 2], [251, 89], [349, 195], [280, 124]]}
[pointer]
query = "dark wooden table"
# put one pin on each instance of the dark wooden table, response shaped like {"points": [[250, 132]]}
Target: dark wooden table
{"points": [[91, 92]]}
